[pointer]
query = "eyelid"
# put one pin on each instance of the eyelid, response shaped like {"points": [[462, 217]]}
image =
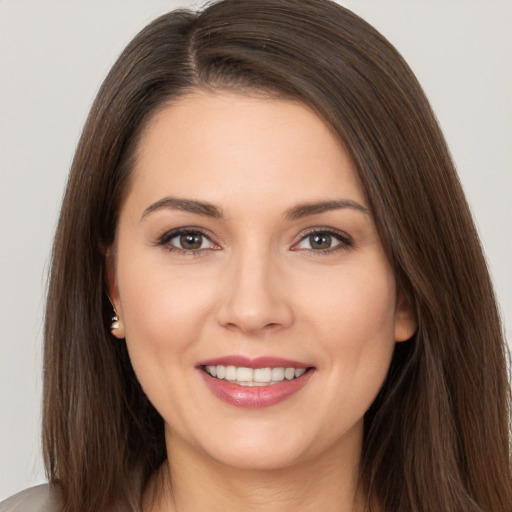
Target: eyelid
{"points": [[167, 236], [344, 238]]}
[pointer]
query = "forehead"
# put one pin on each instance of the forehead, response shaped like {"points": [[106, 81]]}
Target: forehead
{"points": [[219, 145]]}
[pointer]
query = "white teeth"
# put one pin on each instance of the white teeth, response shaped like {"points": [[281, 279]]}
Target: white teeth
{"points": [[244, 374], [277, 374], [262, 375], [289, 373], [254, 377], [230, 372], [212, 370]]}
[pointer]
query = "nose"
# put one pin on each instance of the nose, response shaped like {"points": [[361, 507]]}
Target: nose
{"points": [[254, 297]]}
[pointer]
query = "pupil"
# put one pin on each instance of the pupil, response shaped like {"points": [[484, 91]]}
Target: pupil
{"points": [[320, 241], [191, 241]]}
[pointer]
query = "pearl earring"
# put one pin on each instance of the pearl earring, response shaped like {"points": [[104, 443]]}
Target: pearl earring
{"points": [[115, 322]]}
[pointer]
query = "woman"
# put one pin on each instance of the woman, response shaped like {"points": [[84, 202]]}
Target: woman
{"points": [[267, 290]]}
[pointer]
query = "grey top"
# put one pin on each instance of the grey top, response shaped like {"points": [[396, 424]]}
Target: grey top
{"points": [[41, 498], [45, 498]]}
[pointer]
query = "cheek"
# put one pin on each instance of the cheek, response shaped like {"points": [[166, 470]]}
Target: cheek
{"points": [[164, 317], [354, 330], [361, 299], [355, 321], [164, 313]]}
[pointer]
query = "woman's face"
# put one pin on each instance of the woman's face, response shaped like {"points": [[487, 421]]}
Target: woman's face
{"points": [[259, 309]]}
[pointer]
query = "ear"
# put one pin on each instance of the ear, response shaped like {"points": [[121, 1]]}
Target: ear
{"points": [[117, 327], [406, 322]]}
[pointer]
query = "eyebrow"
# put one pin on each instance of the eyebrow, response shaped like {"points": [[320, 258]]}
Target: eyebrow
{"points": [[186, 205], [209, 210], [307, 209]]}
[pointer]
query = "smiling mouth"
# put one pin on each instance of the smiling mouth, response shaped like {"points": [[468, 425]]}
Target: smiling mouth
{"points": [[251, 377], [255, 382]]}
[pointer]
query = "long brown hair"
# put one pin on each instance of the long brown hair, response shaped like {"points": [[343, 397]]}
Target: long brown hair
{"points": [[437, 437]]}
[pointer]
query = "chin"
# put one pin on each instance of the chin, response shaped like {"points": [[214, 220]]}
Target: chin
{"points": [[272, 448]]}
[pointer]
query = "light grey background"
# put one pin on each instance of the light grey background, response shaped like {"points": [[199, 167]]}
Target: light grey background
{"points": [[53, 57]]}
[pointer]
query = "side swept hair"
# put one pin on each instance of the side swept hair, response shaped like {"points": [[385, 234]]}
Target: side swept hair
{"points": [[437, 437]]}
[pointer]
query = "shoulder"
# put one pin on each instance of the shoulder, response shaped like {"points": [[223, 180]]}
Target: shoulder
{"points": [[42, 498]]}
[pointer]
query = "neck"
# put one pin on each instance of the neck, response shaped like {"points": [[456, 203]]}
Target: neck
{"points": [[191, 481]]}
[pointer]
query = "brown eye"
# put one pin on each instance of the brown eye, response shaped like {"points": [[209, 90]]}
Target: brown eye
{"points": [[187, 241], [323, 241], [320, 241], [191, 241]]}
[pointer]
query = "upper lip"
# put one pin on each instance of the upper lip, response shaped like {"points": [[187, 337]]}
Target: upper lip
{"points": [[254, 362]]}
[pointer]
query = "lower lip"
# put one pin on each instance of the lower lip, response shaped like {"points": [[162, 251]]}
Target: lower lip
{"points": [[255, 397]]}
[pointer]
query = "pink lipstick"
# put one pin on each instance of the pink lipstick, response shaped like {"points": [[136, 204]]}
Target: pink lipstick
{"points": [[254, 382]]}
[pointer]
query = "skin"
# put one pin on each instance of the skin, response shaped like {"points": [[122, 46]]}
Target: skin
{"points": [[257, 287]]}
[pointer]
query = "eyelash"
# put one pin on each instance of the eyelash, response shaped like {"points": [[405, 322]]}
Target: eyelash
{"points": [[165, 239], [345, 241]]}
